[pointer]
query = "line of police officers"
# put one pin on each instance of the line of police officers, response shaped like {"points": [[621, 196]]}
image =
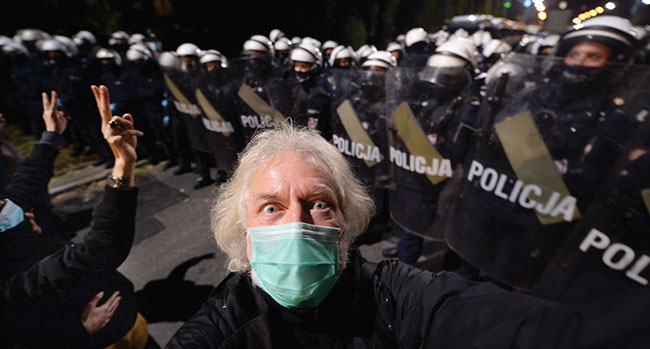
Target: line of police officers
{"points": [[527, 155]]}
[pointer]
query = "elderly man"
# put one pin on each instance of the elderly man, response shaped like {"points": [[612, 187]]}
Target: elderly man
{"points": [[286, 219]]}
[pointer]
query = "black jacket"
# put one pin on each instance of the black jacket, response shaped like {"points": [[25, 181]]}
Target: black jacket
{"points": [[45, 285], [403, 307]]}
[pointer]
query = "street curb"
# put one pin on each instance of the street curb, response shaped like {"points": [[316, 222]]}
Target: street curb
{"points": [[101, 174]]}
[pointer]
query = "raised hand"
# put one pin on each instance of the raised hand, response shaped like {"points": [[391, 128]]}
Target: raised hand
{"points": [[94, 318], [118, 133], [54, 119]]}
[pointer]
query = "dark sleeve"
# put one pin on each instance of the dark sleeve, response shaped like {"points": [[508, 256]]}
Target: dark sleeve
{"points": [[428, 310], [202, 330], [104, 247], [32, 178]]}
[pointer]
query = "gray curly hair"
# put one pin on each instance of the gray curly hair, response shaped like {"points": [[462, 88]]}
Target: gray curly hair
{"points": [[228, 214]]}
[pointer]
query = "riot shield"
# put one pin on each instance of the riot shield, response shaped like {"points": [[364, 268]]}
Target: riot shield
{"points": [[307, 103], [254, 108], [182, 85], [552, 195], [358, 127], [425, 145], [215, 95]]}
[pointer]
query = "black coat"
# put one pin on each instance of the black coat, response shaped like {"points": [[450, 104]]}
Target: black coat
{"points": [[403, 307], [45, 284]]}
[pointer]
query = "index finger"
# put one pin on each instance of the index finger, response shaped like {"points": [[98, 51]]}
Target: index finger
{"points": [[103, 102], [46, 101]]}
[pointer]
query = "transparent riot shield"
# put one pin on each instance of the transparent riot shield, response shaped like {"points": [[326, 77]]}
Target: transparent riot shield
{"points": [[182, 85], [254, 108], [358, 127], [552, 195], [216, 96], [307, 103], [426, 142]]}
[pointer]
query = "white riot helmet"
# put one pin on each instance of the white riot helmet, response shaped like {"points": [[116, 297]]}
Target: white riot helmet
{"points": [[118, 35], [481, 38], [69, 45], [414, 36], [30, 35], [496, 47], [549, 41], [275, 35], [209, 56], [51, 45], [14, 48], [259, 43], [137, 52], [84, 36], [449, 71], [169, 61], [135, 55], [187, 49], [121, 35], [365, 51], [459, 33], [282, 44], [394, 46], [329, 44], [104, 54], [136, 38], [4, 40], [341, 52], [296, 40], [617, 33], [457, 52], [308, 54], [311, 41], [382, 59]]}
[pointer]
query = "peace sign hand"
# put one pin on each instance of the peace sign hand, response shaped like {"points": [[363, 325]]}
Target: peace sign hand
{"points": [[54, 119]]}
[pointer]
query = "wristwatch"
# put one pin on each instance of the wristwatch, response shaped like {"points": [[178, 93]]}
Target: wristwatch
{"points": [[118, 182]]}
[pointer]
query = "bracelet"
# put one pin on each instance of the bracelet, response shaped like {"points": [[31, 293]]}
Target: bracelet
{"points": [[118, 182]]}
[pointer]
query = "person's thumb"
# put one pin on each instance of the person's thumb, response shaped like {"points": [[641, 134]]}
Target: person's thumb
{"points": [[93, 302]]}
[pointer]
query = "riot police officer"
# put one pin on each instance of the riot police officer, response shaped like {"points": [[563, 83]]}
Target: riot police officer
{"points": [[191, 113], [359, 130], [281, 61], [364, 52], [146, 101], [427, 141], [119, 41], [309, 102], [561, 134], [258, 68], [342, 57], [396, 50], [418, 49]]}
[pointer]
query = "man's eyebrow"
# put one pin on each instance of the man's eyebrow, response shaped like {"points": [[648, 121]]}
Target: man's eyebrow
{"points": [[325, 189], [265, 196]]}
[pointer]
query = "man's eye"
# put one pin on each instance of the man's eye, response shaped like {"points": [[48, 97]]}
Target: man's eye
{"points": [[270, 208], [321, 205]]}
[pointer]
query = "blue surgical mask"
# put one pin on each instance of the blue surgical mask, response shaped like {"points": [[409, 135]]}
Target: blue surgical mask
{"points": [[297, 264], [10, 216]]}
